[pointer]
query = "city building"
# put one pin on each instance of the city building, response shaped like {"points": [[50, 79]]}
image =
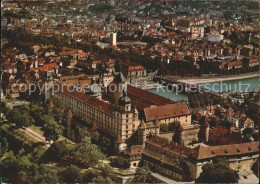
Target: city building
{"points": [[118, 120], [140, 98], [133, 154], [184, 164], [131, 70], [215, 37], [113, 39], [177, 112]]}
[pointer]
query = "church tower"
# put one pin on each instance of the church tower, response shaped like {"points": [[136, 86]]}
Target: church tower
{"points": [[119, 81], [124, 103]]}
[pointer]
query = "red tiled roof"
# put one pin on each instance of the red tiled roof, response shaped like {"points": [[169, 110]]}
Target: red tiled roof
{"points": [[219, 131], [50, 66], [134, 150], [166, 111], [92, 101], [165, 144], [148, 96], [235, 63], [132, 66], [254, 60], [201, 152]]}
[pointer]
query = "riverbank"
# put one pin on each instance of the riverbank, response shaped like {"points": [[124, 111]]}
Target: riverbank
{"points": [[195, 81]]}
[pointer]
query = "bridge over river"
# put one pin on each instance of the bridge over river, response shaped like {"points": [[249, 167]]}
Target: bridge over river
{"points": [[173, 82]]}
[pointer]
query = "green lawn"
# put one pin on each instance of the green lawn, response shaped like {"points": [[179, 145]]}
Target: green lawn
{"points": [[36, 129], [18, 134]]}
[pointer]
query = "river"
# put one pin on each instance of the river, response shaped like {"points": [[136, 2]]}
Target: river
{"points": [[250, 84]]}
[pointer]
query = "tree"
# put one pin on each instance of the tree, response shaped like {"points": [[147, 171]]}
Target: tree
{"points": [[5, 110], [36, 112], [114, 161], [95, 137], [173, 125], [4, 146], [143, 175], [24, 121], [217, 172], [126, 163], [20, 117], [13, 116], [52, 131], [15, 169], [37, 154], [84, 154], [164, 127], [105, 144], [71, 174], [47, 174], [57, 151], [44, 119], [100, 174]]}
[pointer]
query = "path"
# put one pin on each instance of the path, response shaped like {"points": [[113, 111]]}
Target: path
{"points": [[35, 135]]}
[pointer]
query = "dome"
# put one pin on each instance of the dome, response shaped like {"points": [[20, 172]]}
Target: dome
{"points": [[124, 100]]}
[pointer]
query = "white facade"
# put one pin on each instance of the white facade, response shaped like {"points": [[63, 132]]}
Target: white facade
{"points": [[112, 39], [215, 37], [113, 123]]}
